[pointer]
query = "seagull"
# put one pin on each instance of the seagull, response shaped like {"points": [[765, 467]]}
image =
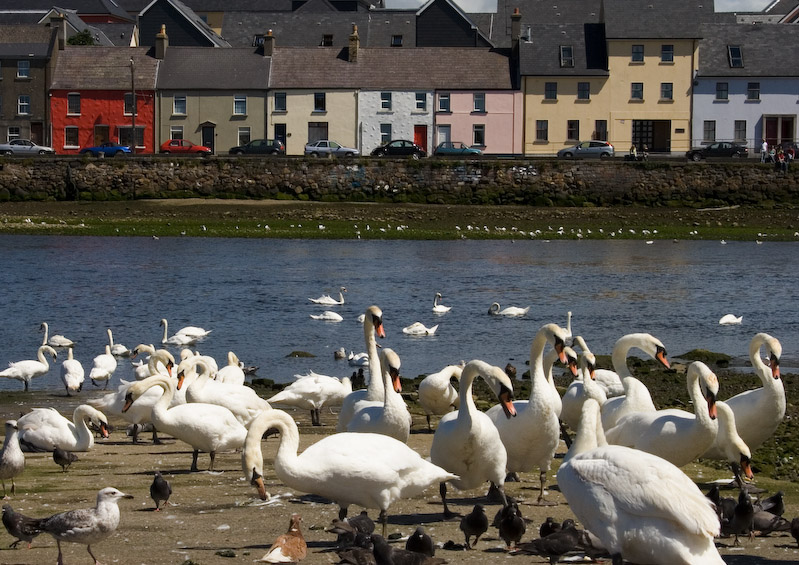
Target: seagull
{"points": [[89, 525], [20, 526], [289, 547], [474, 524], [12, 460], [160, 490], [64, 458]]}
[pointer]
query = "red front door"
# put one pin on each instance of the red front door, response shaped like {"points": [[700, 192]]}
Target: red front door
{"points": [[420, 136]]}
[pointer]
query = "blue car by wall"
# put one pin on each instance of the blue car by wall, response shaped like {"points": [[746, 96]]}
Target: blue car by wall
{"points": [[107, 149], [456, 148]]}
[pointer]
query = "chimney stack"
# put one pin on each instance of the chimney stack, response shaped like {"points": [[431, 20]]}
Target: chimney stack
{"points": [[59, 22], [269, 44], [355, 43], [515, 26], [161, 43]]}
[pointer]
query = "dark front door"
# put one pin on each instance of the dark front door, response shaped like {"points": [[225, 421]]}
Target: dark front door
{"points": [[37, 133], [280, 133], [208, 137], [420, 136]]}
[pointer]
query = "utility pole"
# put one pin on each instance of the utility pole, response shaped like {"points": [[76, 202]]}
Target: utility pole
{"points": [[133, 112]]}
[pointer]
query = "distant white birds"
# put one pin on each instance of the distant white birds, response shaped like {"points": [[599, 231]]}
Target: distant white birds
{"points": [[178, 338], [510, 311], [12, 460], [86, 526], [358, 359], [328, 300], [418, 328], [117, 349], [57, 340], [42, 429], [328, 316], [29, 369], [312, 392], [103, 367], [440, 308], [72, 374], [730, 320]]}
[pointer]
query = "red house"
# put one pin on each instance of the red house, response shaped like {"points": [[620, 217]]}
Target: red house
{"points": [[92, 98]]}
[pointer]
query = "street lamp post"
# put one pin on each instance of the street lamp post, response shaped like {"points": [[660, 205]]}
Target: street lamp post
{"points": [[133, 103]]}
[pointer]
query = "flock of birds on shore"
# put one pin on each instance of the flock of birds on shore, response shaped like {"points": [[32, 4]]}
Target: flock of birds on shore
{"points": [[621, 475]]}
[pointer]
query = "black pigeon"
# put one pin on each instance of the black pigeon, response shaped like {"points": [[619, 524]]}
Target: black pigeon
{"points": [[774, 504], [474, 524], [743, 518], [556, 544], [20, 526], [348, 535], [356, 556], [550, 526], [420, 542], [160, 490], [387, 555], [765, 522], [725, 506], [64, 458], [362, 522], [511, 524], [795, 530]]}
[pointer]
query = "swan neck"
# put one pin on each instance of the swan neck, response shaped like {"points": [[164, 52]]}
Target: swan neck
{"points": [[287, 448], [110, 338], [621, 351], [375, 370], [763, 371], [46, 331], [467, 405], [82, 431], [589, 431]]}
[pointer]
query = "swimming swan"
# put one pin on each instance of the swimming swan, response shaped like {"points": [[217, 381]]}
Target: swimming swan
{"points": [[730, 320], [440, 308], [43, 429], [418, 328], [510, 311], [328, 316], [178, 338], [328, 300], [117, 349], [57, 340]]}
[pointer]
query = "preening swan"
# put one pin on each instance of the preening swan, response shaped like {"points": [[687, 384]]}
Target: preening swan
{"points": [[370, 470], [328, 300], [117, 349], [29, 369], [178, 338], [206, 427], [729, 444], [677, 436], [730, 320], [436, 393], [532, 437], [418, 328], [642, 508], [328, 316], [57, 340], [42, 429], [510, 311], [440, 308], [312, 392], [72, 373], [103, 367], [466, 442], [232, 373], [358, 359]]}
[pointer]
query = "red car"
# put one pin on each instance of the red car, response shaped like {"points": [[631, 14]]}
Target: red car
{"points": [[181, 146]]}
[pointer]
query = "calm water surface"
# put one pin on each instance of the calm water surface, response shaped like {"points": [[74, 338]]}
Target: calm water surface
{"points": [[254, 295]]}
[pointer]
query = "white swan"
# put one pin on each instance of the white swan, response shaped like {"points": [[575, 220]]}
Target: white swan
{"points": [[418, 328], [372, 326], [242, 401], [313, 392], [436, 393], [729, 444], [370, 470], [158, 358], [232, 373], [43, 429], [550, 358], [730, 320], [636, 396], [206, 427], [193, 331], [758, 412], [328, 300], [328, 316], [103, 367], [112, 403], [510, 311], [117, 349], [390, 417], [29, 369], [358, 359], [532, 437], [440, 308], [177, 339], [642, 508], [57, 340], [677, 436], [466, 442], [581, 389], [72, 373]]}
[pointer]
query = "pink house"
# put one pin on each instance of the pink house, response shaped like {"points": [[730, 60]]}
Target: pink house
{"points": [[487, 119]]}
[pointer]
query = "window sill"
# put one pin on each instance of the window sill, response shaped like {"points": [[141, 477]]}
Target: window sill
{"points": [[636, 63], [175, 115], [541, 142], [478, 113], [582, 101], [71, 147], [279, 112], [239, 115], [385, 112], [667, 63], [319, 112], [666, 101], [753, 101], [69, 115], [23, 79], [721, 101], [549, 101], [444, 112], [636, 101]]}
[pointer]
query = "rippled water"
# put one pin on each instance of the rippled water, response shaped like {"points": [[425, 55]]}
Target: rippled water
{"points": [[254, 295]]}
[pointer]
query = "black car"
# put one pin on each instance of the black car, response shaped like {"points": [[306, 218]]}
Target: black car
{"points": [[718, 149], [400, 148], [260, 147]]}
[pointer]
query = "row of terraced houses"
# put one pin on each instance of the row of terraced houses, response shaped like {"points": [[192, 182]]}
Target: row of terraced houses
{"points": [[528, 78]]}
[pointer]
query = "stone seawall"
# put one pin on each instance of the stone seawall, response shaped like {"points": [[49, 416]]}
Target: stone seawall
{"points": [[530, 182]]}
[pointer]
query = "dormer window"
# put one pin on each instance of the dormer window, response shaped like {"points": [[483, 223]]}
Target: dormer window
{"points": [[327, 40], [736, 56], [566, 57]]}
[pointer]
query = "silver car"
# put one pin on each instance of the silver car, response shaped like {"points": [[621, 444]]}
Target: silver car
{"points": [[328, 148], [24, 147], [588, 150]]}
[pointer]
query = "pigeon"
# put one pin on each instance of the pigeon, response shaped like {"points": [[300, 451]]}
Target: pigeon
{"points": [[725, 506], [420, 542], [474, 524], [12, 460], [20, 526], [86, 526], [63, 457], [362, 522], [289, 547], [743, 518], [765, 522], [511, 524], [387, 555], [556, 544], [160, 490], [357, 555], [353, 531], [774, 504], [550, 526], [795, 530]]}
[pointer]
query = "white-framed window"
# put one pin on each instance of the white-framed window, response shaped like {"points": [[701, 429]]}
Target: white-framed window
{"points": [[13, 133], [637, 91], [73, 104], [667, 53], [573, 129], [239, 105], [130, 105], [479, 102], [421, 101], [23, 69], [753, 91], [740, 130], [443, 102], [385, 133], [179, 105], [550, 91], [666, 91], [566, 56], [71, 138], [23, 105], [735, 55], [709, 130], [542, 130], [583, 91], [175, 132], [479, 135], [385, 101], [244, 135], [319, 102], [280, 101], [637, 54], [722, 90], [126, 136]]}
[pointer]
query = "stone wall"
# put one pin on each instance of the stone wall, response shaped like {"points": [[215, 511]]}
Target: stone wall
{"points": [[532, 182]]}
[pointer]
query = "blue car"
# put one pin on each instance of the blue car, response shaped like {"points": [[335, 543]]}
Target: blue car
{"points": [[107, 149]]}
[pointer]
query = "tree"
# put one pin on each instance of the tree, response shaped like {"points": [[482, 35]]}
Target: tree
{"points": [[81, 38]]}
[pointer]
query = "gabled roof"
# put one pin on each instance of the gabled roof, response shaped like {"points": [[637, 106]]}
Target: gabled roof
{"points": [[207, 68], [450, 4], [104, 68], [119, 34], [29, 41], [77, 25], [191, 17], [765, 49], [658, 19], [540, 54], [419, 68], [314, 6]]}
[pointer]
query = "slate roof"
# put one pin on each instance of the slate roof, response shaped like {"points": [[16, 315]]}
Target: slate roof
{"points": [[118, 34], [75, 25], [104, 68], [25, 41], [759, 44], [192, 17], [450, 68], [659, 19], [208, 68], [540, 56], [110, 7]]}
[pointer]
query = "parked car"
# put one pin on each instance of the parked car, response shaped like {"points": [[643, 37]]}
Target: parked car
{"points": [[24, 147], [328, 148], [107, 149], [184, 146], [399, 148], [260, 147], [455, 148], [588, 150], [718, 149]]}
